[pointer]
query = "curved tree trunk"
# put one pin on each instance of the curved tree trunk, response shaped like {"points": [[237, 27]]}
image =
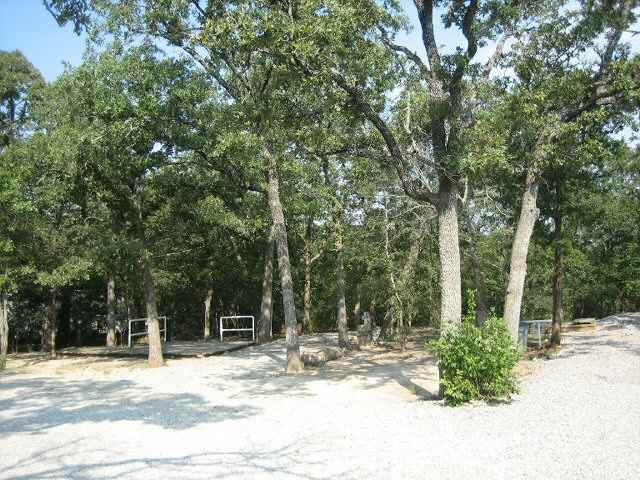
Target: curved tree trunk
{"points": [[4, 328], [266, 305], [341, 308], [519, 250], [153, 323], [111, 312], [208, 302], [450, 281], [294, 362]]}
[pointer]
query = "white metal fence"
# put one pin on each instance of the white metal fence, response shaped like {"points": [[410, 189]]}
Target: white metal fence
{"points": [[163, 330], [540, 326], [235, 319]]}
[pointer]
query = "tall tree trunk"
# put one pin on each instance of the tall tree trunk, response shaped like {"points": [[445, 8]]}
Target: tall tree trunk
{"points": [[265, 322], [357, 307], [558, 283], [208, 302], [153, 323], [49, 330], [4, 328], [155, 357], [294, 362], [111, 312], [519, 250], [306, 321], [450, 281], [341, 308]]}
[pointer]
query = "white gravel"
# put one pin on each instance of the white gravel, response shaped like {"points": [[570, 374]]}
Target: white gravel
{"points": [[578, 417]]}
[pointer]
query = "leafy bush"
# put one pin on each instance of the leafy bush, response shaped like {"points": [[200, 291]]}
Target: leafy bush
{"points": [[477, 362]]}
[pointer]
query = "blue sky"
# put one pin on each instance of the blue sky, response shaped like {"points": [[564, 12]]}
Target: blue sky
{"points": [[26, 25]]}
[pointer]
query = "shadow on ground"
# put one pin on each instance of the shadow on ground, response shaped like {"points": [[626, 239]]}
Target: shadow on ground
{"points": [[35, 405], [414, 370], [48, 464]]}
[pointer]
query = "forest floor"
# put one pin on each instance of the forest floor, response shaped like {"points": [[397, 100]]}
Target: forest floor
{"points": [[370, 414]]}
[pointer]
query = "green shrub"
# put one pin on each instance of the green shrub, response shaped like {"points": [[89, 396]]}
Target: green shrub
{"points": [[477, 362]]}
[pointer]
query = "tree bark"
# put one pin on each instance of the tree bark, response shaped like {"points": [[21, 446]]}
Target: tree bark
{"points": [[558, 283], [4, 328], [294, 362], [265, 322], [341, 308], [519, 250], [49, 330], [111, 312], [208, 302], [155, 358], [306, 321], [357, 307], [450, 281]]}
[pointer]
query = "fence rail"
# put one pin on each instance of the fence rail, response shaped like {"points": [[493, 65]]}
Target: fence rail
{"points": [[237, 317], [146, 331]]}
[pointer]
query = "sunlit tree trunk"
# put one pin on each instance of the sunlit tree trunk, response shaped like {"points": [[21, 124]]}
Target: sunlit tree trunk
{"points": [[111, 312], [450, 281], [306, 322], [153, 323], [155, 357], [519, 250], [294, 362], [357, 308], [208, 302], [49, 330]]}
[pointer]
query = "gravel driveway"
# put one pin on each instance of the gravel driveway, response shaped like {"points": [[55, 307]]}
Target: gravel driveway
{"points": [[365, 416]]}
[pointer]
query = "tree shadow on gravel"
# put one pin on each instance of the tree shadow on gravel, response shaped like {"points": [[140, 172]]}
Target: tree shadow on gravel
{"points": [[56, 462], [34, 405], [624, 326], [368, 370]]}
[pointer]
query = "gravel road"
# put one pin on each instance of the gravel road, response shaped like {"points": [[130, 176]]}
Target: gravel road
{"points": [[366, 416]]}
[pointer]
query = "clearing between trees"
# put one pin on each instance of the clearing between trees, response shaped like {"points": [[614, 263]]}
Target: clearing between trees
{"points": [[366, 415]]}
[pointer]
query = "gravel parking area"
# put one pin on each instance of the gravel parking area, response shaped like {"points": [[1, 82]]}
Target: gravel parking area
{"points": [[369, 415]]}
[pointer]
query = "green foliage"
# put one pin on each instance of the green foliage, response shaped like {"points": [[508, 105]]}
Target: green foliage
{"points": [[477, 363]]}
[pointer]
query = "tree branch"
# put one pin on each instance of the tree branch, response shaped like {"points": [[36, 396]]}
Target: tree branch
{"points": [[424, 69], [425, 15], [472, 42]]}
